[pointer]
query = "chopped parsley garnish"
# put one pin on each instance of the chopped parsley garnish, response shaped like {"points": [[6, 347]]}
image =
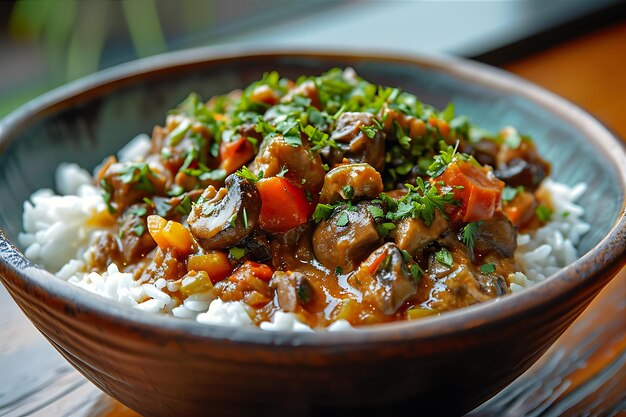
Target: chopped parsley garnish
{"points": [[184, 207], [338, 270], [107, 191], [509, 193], [488, 268], [139, 229], [385, 228], [420, 202], [237, 253], [444, 257], [416, 272], [403, 139], [283, 171], [543, 213], [322, 212], [245, 219], [245, 173], [376, 212], [138, 173], [348, 192], [343, 219], [469, 231], [232, 220], [138, 211], [370, 131]]}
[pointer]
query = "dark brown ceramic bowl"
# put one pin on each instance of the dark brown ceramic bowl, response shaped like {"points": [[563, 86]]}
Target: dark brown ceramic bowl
{"points": [[162, 366]]}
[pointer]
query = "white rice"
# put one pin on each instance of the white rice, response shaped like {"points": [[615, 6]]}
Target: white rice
{"points": [[57, 231]]}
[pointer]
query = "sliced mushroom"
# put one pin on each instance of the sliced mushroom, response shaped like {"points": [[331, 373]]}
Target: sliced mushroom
{"points": [[228, 217], [302, 165], [385, 283], [413, 235], [461, 286], [496, 233], [354, 144], [292, 289], [351, 182], [346, 238], [521, 166]]}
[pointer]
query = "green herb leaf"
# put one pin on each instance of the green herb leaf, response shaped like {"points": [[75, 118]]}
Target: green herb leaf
{"points": [[416, 272], [245, 219], [448, 113], [322, 212], [184, 207], [376, 212], [338, 270], [237, 253], [139, 229], [509, 193], [232, 220], [343, 219], [469, 231], [370, 131], [245, 173], [444, 257], [138, 211], [283, 171], [488, 268], [348, 192], [543, 212]]}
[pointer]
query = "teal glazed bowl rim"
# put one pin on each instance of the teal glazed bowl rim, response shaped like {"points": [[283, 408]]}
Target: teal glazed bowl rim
{"points": [[587, 274]]}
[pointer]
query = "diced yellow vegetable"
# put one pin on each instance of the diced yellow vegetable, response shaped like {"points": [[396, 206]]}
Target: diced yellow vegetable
{"points": [[347, 310], [214, 263], [178, 237], [156, 224], [416, 313], [196, 282], [101, 219]]}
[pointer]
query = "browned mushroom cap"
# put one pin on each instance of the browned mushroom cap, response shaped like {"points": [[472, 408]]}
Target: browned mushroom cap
{"points": [[351, 182], [354, 144], [385, 283], [413, 235], [292, 289], [228, 217], [496, 233], [346, 238]]}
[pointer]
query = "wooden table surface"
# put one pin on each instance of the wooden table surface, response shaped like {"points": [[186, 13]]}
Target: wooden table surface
{"points": [[584, 373]]}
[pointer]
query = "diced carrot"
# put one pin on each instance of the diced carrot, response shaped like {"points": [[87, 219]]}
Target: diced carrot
{"points": [[284, 206], [521, 209], [374, 265], [214, 263], [261, 271], [178, 237], [235, 154], [480, 192], [156, 224], [264, 94], [444, 128]]}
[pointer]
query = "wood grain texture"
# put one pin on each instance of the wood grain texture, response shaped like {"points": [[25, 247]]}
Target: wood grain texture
{"points": [[584, 373]]}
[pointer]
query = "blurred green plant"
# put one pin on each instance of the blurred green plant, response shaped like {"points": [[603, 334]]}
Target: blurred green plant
{"points": [[74, 32]]}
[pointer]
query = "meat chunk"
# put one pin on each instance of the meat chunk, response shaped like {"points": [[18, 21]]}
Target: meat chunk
{"points": [[413, 235], [354, 144], [244, 285], [225, 218], [135, 241], [351, 182], [302, 165], [129, 182], [384, 279], [346, 238]]}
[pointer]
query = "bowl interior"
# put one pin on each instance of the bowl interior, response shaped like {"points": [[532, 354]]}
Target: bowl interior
{"points": [[95, 124]]}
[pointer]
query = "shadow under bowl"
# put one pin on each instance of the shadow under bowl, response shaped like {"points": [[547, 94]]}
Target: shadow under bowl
{"points": [[162, 366]]}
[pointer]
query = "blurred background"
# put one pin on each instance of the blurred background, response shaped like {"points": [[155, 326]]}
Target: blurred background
{"points": [[47, 43]]}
